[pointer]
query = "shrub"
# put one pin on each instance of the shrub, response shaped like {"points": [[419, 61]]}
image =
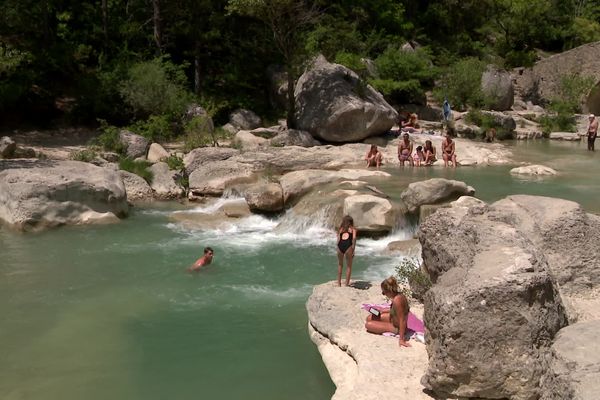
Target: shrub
{"points": [[461, 84], [140, 168], [566, 103], [85, 155], [486, 122], [174, 162], [199, 132], [156, 128], [156, 87], [408, 91], [352, 61], [109, 138], [409, 272]]}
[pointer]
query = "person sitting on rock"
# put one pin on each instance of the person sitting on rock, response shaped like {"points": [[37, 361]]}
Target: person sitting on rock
{"points": [[373, 157], [412, 125], [418, 157], [405, 148], [448, 151], [429, 152], [490, 135], [394, 320]]}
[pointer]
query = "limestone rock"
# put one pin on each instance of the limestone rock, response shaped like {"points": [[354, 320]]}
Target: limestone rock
{"points": [[264, 197], [206, 155], [157, 153], [35, 194], [434, 191], [497, 86], [294, 137], [212, 179], [493, 310], [568, 136], [203, 121], [363, 366], [7, 147], [410, 247], [371, 214], [335, 105], [247, 141], [135, 145], [268, 133], [539, 170], [573, 370], [136, 187], [244, 119], [163, 182]]}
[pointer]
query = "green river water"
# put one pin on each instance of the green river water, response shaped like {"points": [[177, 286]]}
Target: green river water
{"points": [[108, 312]]}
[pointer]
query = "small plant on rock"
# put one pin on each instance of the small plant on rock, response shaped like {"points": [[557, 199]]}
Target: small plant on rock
{"points": [[174, 162], [140, 168], [85, 155], [416, 281]]}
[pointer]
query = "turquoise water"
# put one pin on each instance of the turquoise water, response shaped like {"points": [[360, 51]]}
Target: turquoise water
{"points": [[109, 312]]}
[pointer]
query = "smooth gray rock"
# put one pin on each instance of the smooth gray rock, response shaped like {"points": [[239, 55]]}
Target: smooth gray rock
{"points": [[497, 86], [157, 153], [206, 155], [37, 194], [213, 179], [568, 136], [264, 197], [294, 137], [335, 105], [372, 215], [247, 141], [493, 310], [538, 170], [203, 121], [573, 371], [163, 182], [434, 191], [7, 147], [135, 145], [244, 119]]}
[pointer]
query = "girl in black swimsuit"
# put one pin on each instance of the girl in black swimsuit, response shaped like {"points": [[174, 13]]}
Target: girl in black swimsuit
{"points": [[345, 248]]}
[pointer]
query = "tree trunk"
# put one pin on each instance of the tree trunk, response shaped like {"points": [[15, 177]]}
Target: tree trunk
{"points": [[157, 25], [291, 101], [197, 75]]}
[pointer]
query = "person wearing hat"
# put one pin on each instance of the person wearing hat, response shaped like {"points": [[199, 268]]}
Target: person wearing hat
{"points": [[592, 132]]}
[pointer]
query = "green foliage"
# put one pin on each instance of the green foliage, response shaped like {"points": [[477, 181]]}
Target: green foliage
{"points": [[109, 139], [409, 272], [486, 122], [399, 91], [156, 87], [352, 61], [585, 31], [199, 132], [174, 162], [85, 155], [156, 128], [566, 103], [140, 168], [461, 84]]}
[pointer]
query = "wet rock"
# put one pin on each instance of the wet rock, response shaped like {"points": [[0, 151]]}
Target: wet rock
{"points": [[372, 215], [434, 191], [264, 197], [538, 170], [568, 136], [410, 247]]}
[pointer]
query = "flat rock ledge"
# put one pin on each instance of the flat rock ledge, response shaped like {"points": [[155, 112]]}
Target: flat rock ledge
{"points": [[362, 365]]}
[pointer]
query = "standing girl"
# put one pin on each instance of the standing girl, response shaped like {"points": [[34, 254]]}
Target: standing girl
{"points": [[345, 248]]}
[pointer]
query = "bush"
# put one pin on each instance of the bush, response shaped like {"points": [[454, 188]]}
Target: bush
{"points": [[486, 122], [174, 162], [409, 91], [461, 84], [85, 155], [352, 61], [156, 128], [109, 138], [200, 132], [140, 168], [409, 273], [156, 87]]}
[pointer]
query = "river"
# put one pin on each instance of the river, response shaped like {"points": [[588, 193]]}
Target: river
{"points": [[108, 312]]}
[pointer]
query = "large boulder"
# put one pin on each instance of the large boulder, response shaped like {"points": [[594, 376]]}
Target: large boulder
{"points": [[264, 197], [157, 153], [244, 119], [372, 215], [434, 191], [200, 118], [35, 194], [573, 371], [7, 147], [214, 178], [136, 187], [497, 86], [247, 141], [335, 105], [207, 155], [493, 310], [135, 145], [537, 170], [163, 182]]}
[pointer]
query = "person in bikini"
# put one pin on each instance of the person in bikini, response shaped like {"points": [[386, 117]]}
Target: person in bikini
{"points": [[592, 132], [345, 248], [429, 152], [395, 320], [448, 151], [405, 149], [373, 157]]}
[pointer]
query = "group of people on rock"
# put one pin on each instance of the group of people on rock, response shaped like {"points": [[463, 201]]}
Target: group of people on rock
{"points": [[422, 156], [379, 321]]}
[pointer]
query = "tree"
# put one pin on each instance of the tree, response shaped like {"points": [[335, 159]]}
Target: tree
{"points": [[287, 20]]}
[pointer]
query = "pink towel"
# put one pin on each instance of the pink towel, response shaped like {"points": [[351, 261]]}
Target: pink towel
{"points": [[413, 323]]}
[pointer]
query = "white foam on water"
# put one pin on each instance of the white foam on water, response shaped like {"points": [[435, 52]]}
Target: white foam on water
{"points": [[262, 292]]}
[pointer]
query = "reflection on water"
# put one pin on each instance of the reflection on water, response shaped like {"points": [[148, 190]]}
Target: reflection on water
{"points": [[108, 312]]}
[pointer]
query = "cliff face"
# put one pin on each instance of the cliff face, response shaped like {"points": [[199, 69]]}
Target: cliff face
{"points": [[363, 366]]}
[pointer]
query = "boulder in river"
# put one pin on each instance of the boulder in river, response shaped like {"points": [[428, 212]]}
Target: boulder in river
{"points": [[35, 194], [434, 191]]}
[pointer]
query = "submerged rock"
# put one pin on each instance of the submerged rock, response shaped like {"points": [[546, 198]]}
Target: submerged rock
{"points": [[533, 170], [36, 194]]}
